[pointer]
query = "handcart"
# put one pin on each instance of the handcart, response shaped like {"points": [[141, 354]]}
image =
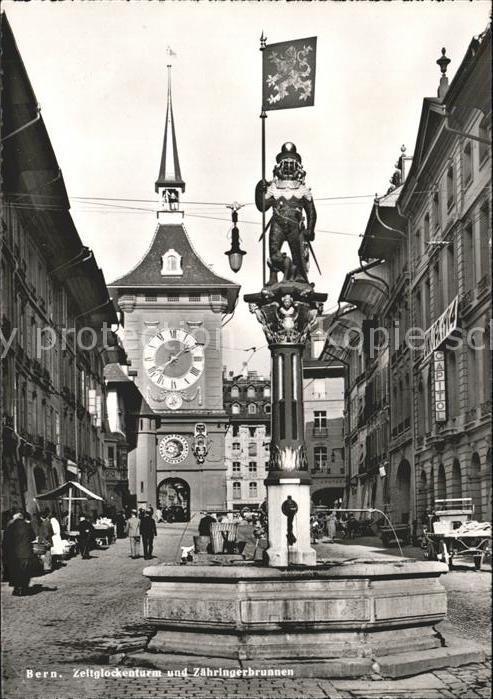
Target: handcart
{"points": [[453, 534]]}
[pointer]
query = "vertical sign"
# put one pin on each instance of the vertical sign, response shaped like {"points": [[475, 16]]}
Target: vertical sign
{"points": [[440, 386]]}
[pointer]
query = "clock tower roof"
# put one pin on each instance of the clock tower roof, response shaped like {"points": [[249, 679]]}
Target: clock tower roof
{"points": [[191, 274], [169, 169]]}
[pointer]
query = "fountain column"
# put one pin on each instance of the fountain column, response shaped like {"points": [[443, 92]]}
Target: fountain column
{"points": [[287, 311]]}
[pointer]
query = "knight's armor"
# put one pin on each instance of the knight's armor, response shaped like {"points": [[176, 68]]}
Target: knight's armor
{"points": [[291, 200]]}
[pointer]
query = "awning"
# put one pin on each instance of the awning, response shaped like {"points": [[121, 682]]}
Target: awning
{"points": [[378, 240], [65, 488]]}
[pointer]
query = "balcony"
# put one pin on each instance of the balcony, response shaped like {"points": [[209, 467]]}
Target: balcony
{"points": [[471, 415], [485, 408], [483, 284], [320, 432]]}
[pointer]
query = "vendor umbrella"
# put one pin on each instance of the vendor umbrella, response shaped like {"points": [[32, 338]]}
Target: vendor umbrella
{"points": [[66, 492]]}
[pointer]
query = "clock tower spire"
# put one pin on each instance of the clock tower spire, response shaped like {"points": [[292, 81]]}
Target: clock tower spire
{"points": [[169, 182]]}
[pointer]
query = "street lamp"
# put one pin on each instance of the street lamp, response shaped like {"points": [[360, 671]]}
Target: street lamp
{"points": [[235, 253]]}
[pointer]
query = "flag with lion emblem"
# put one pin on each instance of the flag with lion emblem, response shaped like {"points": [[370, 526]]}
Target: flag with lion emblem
{"points": [[288, 74]]}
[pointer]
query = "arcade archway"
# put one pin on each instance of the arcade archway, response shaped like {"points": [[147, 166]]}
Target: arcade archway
{"points": [[173, 495]]}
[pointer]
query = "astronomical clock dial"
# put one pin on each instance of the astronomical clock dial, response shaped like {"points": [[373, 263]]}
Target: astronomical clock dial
{"points": [[174, 360], [173, 448]]}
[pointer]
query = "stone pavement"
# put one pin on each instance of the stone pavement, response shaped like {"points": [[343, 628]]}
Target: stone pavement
{"points": [[86, 611]]}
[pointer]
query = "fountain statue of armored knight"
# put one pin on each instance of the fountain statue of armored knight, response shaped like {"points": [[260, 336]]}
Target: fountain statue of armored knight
{"points": [[288, 311], [291, 200]]}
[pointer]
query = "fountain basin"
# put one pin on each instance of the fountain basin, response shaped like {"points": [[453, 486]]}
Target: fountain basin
{"points": [[345, 614]]}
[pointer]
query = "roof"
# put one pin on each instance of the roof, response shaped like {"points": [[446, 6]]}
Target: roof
{"points": [[469, 89], [196, 274], [33, 184], [378, 240], [65, 488], [169, 170]]}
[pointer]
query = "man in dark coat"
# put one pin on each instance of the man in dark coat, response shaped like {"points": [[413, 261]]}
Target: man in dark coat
{"points": [[18, 552], [148, 531], [86, 535]]}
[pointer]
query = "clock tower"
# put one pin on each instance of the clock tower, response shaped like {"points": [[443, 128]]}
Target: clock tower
{"points": [[172, 306]]}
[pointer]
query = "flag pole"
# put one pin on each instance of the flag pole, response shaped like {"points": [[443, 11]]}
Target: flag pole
{"points": [[263, 117]]}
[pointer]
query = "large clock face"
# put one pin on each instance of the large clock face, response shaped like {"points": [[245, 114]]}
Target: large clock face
{"points": [[173, 359]]}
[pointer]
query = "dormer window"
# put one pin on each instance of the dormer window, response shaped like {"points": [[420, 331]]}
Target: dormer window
{"points": [[171, 264]]}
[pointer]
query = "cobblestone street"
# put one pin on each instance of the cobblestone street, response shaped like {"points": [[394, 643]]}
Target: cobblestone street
{"points": [[88, 610]]}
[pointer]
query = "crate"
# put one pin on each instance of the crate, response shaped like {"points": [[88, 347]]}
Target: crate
{"points": [[442, 527]]}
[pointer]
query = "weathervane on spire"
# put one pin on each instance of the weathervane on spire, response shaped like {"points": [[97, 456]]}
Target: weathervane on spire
{"points": [[171, 54]]}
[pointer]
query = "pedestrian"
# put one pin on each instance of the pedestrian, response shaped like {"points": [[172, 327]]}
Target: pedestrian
{"points": [[45, 538], [58, 547], [133, 530], [158, 515], [205, 525], [17, 548], [148, 532], [86, 535], [120, 523], [331, 526]]}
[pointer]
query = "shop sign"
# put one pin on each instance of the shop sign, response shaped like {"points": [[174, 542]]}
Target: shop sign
{"points": [[440, 386], [442, 328]]}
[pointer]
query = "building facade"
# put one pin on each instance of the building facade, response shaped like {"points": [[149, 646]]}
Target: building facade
{"points": [[172, 307], [247, 401], [447, 203], [413, 326], [323, 398], [54, 303]]}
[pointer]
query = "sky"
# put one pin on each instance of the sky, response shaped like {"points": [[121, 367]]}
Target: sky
{"points": [[99, 73]]}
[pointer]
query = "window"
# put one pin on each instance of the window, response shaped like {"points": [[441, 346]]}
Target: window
{"points": [[195, 298], [436, 210], [235, 392], [172, 263], [469, 258], [252, 449], [484, 240], [252, 409], [173, 298], [467, 163], [451, 273], [266, 391], [320, 419], [451, 378], [437, 290], [252, 467], [235, 408], [484, 132], [252, 490], [450, 187], [150, 297], [320, 458], [417, 244], [236, 467], [267, 408], [319, 389], [251, 392], [318, 343], [236, 490], [236, 446], [111, 457], [426, 235]]}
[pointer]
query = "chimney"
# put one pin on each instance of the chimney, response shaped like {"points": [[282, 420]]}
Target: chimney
{"points": [[443, 62], [244, 371]]}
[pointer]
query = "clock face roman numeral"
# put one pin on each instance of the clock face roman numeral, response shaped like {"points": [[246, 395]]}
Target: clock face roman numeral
{"points": [[181, 362]]}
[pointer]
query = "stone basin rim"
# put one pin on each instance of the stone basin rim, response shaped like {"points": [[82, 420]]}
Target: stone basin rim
{"points": [[360, 569]]}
